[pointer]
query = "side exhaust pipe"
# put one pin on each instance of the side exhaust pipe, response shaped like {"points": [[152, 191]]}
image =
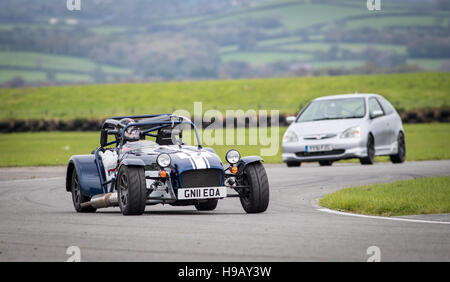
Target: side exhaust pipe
{"points": [[102, 201]]}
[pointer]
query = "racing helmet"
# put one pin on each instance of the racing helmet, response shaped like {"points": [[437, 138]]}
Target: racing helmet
{"points": [[132, 133]]}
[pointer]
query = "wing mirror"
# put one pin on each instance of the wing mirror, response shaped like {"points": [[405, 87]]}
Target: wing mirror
{"points": [[290, 120], [376, 114]]}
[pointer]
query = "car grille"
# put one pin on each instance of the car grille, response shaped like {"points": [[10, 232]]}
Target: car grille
{"points": [[318, 154], [201, 178], [319, 136]]}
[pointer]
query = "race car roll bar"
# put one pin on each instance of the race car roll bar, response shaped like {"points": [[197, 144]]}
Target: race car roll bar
{"points": [[159, 124]]}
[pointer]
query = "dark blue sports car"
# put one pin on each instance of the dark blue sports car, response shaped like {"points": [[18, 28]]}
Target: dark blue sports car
{"points": [[147, 163]]}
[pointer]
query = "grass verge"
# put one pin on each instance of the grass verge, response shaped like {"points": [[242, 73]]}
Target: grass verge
{"points": [[288, 95], [408, 197]]}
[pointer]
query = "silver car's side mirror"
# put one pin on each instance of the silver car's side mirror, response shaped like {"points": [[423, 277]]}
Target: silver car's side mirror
{"points": [[376, 114], [290, 120]]}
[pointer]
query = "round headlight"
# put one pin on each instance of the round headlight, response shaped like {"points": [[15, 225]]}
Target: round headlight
{"points": [[163, 160], [232, 156]]}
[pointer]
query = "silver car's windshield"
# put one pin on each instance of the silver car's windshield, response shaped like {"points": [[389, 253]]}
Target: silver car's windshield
{"points": [[333, 109]]}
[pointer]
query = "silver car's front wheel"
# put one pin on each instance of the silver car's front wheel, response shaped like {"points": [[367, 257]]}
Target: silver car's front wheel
{"points": [[370, 159]]}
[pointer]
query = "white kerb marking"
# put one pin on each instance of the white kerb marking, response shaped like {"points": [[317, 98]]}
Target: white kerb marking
{"points": [[382, 217]]}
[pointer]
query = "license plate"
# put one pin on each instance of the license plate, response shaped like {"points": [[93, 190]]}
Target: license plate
{"points": [[202, 193], [318, 148]]}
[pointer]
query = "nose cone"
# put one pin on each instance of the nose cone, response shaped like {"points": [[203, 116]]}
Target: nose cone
{"points": [[192, 159]]}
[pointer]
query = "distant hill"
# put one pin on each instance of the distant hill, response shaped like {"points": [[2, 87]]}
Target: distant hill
{"points": [[41, 42]]}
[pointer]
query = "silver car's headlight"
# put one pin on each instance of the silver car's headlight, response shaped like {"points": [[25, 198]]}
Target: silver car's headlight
{"points": [[163, 160], [290, 137], [232, 156], [352, 132]]}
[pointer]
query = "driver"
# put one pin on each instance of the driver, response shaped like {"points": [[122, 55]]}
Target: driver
{"points": [[132, 133]]}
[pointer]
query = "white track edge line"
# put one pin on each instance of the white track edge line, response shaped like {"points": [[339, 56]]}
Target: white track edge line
{"points": [[381, 217]]}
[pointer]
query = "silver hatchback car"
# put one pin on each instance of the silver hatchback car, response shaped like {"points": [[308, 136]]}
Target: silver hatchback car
{"points": [[346, 126]]}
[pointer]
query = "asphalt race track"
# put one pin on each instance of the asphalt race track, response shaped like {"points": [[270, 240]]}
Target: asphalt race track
{"points": [[38, 222]]}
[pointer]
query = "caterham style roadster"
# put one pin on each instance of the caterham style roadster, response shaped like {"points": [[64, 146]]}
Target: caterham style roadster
{"points": [[147, 163]]}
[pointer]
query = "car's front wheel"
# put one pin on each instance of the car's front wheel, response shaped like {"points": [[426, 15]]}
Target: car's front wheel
{"points": [[255, 196], [370, 159], [401, 151], [132, 191], [77, 197]]}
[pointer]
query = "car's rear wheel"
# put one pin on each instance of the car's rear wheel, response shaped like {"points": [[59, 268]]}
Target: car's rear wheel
{"points": [[325, 163], [293, 164], [207, 206], [401, 151], [77, 197], [132, 191], [255, 197], [370, 159]]}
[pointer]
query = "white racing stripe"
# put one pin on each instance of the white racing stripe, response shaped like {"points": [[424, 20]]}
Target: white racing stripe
{"points": [[199, 161], [185, 155], [205, 159], [382, 217]]}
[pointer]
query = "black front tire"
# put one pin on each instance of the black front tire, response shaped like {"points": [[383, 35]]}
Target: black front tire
{"points": [[207, 206], [370, 159], [77, 197], [132, 190], [293, 164], [325, 163], [255, 198], [400, 157]]}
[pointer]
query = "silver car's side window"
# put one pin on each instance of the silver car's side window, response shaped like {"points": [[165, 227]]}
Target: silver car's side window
{"points": [[387, 107], [374, 106]]}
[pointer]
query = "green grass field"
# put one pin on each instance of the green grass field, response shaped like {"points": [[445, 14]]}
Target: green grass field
{"points": [[28, 76], [49, 62], [418, 196], [38, 64], [424, 142], [294, 15], [429, 64], [380, 22], [288, 95], [298, 15], [264, 57]]}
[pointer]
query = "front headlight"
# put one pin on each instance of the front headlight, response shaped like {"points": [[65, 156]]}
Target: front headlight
{"points": [[290, 137], [352, 132], [163, 160], [232, 156]]}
